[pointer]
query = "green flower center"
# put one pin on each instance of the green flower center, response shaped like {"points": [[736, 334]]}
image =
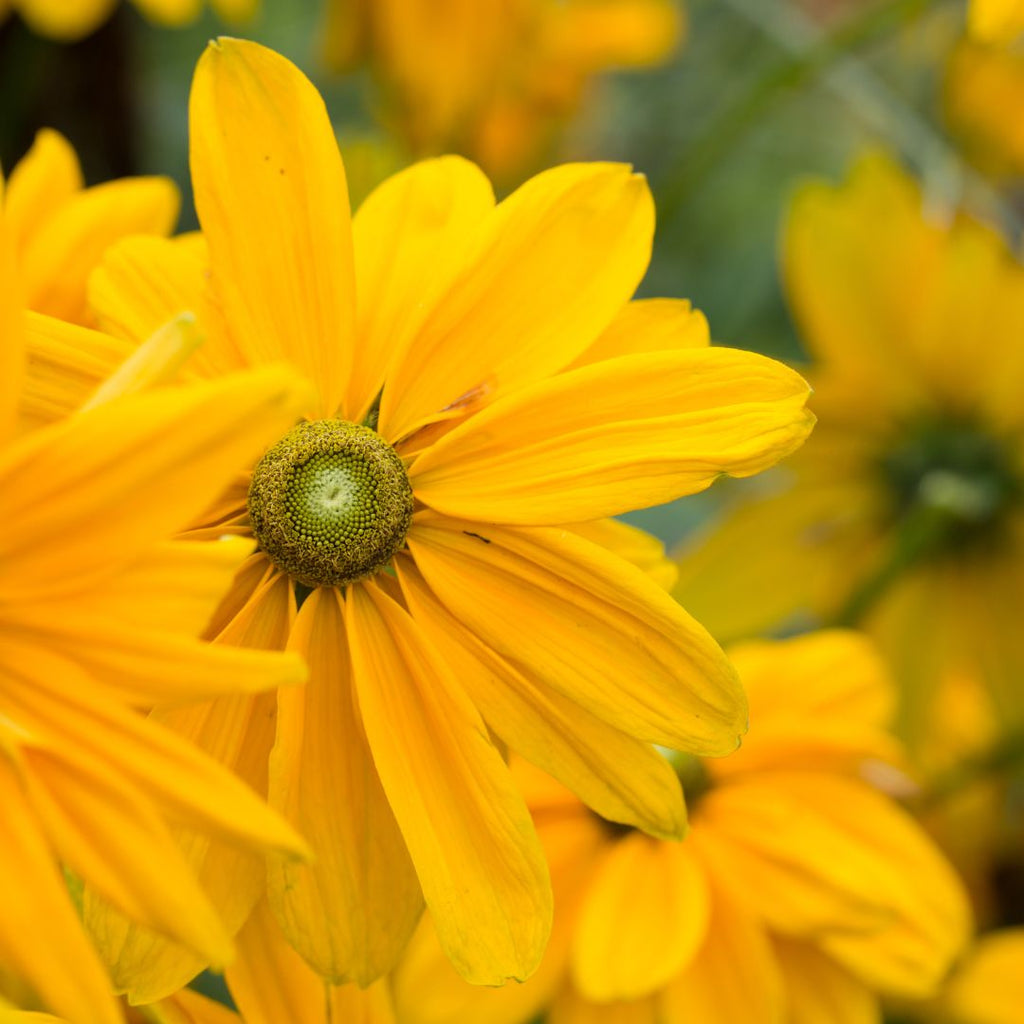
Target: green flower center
{"points": [[954, 479], [330, 503]]}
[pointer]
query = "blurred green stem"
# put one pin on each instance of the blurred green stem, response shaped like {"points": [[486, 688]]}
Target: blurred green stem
{"points": [[794, 70]]}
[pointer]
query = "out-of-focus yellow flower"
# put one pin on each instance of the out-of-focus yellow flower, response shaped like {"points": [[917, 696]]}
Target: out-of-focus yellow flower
{"points": [[988, 988], [996, 21], [481, 369], [68, 20], [60, 229], [799, 895], [494, 79], [99, 614], [906, 509], [982, 83]]}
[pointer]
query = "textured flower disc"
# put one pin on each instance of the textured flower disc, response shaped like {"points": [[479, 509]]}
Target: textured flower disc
{"points": [[330, 503]]}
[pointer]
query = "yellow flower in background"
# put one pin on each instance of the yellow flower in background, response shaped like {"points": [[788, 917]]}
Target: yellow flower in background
{"points": [[800, 895], [60, 229], [996, 21], [483, 385], [905, 512], [494, 80], [988, 987], [99, 614], [982, 83], [68, 20]]}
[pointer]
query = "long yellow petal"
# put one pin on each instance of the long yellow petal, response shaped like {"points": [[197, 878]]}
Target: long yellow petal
{"points": [[60, 20], [576, 619], [46, 177], [139, 468], [12, 330], [644, 918], [410, 235], [271, 196], [469, 833], [41, 937], [623, 779], [572, 1008], [989, 986], [553, 265], [618, 435], [63, 252], [351, 912]]}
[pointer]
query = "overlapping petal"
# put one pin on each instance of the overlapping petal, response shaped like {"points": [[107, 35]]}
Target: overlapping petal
{"points": [[580, 445], [271, 196], [476, 854]]}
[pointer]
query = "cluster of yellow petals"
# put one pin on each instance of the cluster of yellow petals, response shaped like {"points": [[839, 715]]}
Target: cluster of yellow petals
{"points": [[494, 79]]}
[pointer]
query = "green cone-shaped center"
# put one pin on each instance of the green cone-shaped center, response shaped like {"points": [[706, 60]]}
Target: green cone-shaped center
{"points": [[330, 503]]}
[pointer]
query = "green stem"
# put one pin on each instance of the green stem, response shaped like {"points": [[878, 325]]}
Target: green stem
{"points": [[787, 74]]}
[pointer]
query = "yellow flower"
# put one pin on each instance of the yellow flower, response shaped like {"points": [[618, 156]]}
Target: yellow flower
{"points": [[982, 83], [513, 391], [60, 229], [68, 20], [799, 895], [988, 988], [495, 79], [996, 21], [99, 613], [906, 509]]}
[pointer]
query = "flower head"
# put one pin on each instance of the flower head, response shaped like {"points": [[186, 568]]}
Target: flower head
{"points": [[487, 359], [99, 617], [799, 895], [906, 510]]}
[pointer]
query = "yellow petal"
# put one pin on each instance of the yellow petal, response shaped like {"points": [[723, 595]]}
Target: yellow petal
{"points": [[649, 325], [66, 364], [144, 281], [572, 1008], [818, 989], [60, 20], [996, 21], [271, 196], [239, 733], [819, 701], [989, 986], [623, 779], [643, 920], [351, 912], [271, 983], [553, 264], [188, 1007], [469, 833], [59, 704], [615, 436], [171, 13], [410, 237], [41, 182], [64, 250], [139, 468], [587, 625], [57, 960], [156, 362], [111, 838], [733, 979]]}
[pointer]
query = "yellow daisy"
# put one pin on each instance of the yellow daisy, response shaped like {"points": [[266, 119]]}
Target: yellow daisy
{"points": [[68, 20], [60, 229], [906, 510], [800, 894], [483, 383], [494, 79], [99, 613], [996, 21]]}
